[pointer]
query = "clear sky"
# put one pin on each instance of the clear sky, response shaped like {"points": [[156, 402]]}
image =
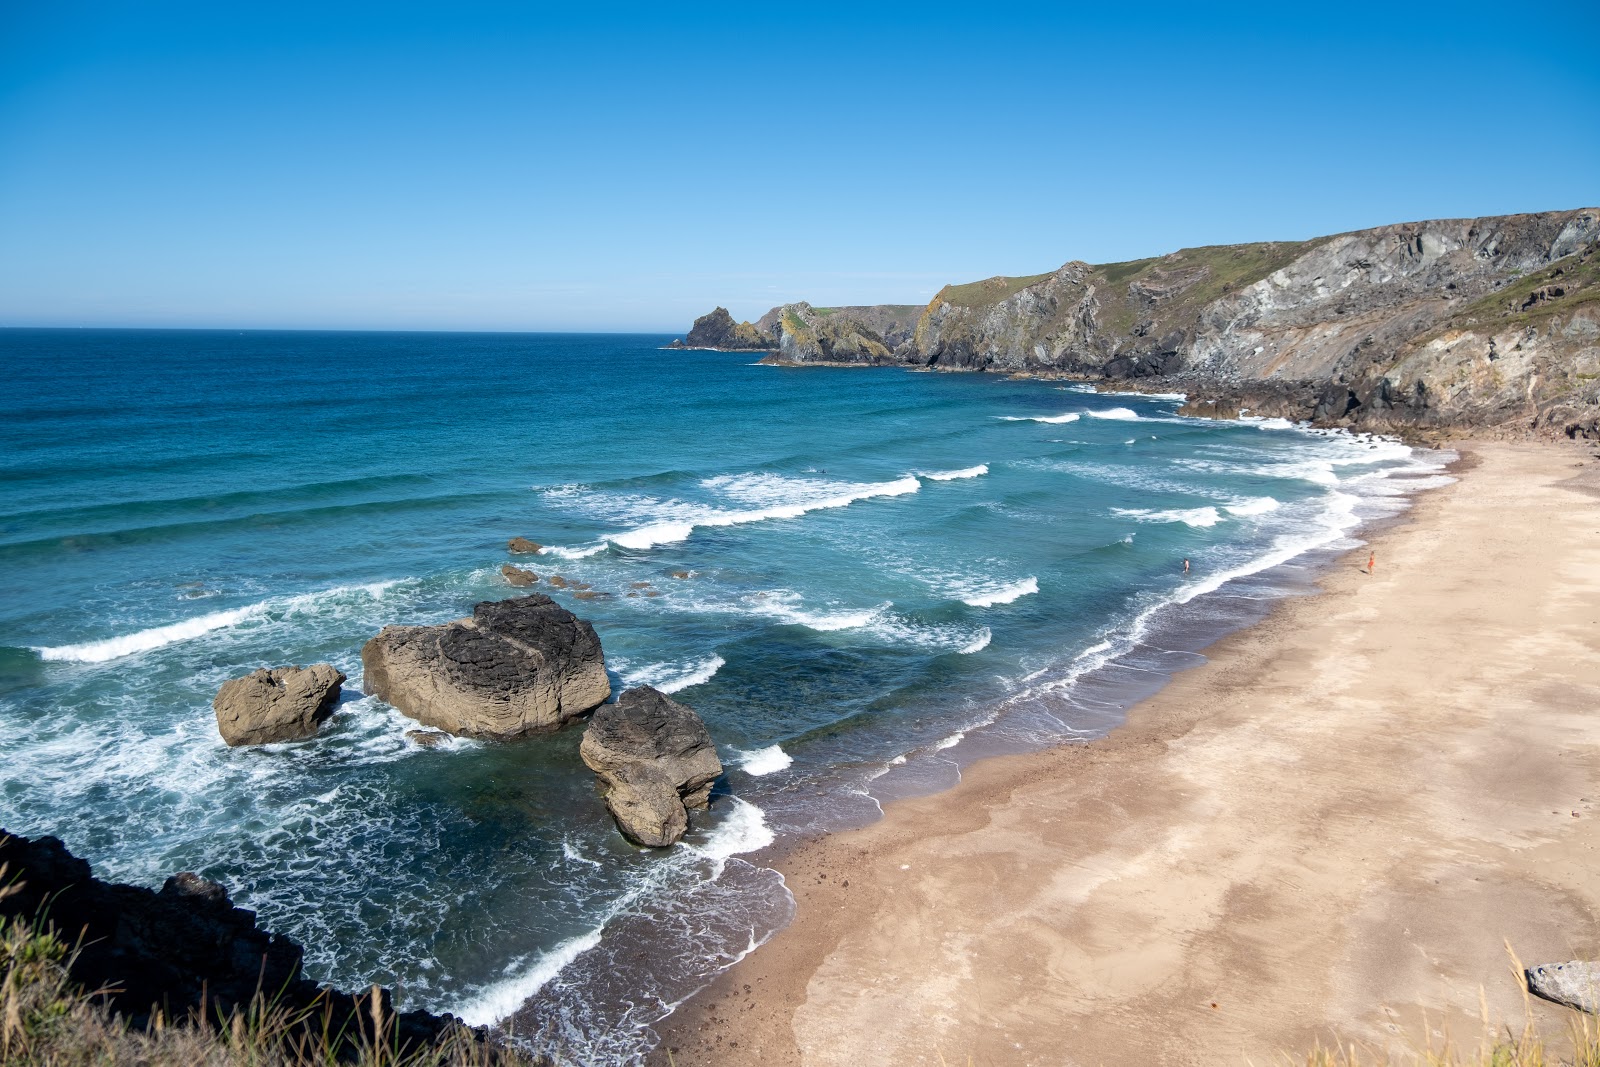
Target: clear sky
{"points": [[587, 166]]}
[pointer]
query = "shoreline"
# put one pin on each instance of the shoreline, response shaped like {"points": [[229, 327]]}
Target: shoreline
{"points": [[981, 921]]}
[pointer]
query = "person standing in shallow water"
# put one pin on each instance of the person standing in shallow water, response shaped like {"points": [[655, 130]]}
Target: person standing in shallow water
{"points": [[1186, 565]]}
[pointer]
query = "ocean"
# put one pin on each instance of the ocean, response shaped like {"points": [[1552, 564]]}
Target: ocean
{"points": [[863, 580]]}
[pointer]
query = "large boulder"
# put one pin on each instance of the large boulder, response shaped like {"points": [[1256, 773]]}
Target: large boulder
{"points": [[1575, 983], [276, 704], [655, 759], [515, 667]]}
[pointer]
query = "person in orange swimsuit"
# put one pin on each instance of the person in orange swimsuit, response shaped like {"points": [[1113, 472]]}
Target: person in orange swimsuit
{"points": [[1372, 557]]}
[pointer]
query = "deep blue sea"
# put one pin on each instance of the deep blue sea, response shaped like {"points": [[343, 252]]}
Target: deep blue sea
{"points": [[888, 574]]}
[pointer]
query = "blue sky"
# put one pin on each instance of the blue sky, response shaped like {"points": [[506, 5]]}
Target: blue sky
{"points": [[606, 167]]}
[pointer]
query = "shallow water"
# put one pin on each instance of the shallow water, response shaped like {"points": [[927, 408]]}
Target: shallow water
{"points": [[888, 573]]}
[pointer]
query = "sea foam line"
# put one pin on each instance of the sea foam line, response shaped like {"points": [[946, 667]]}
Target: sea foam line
{"points": [[1006, 594], [950, 476], [1071, 416], [671, 677], [160, 636], [762, 761], [662, 533]]}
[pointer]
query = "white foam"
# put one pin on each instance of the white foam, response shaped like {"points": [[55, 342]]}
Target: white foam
{"points": [[782, 606], [1004, 595], [769, 760], [573, 552], [1257, 505], [1123, 414], [742, 829], [671, 677], [1197, 517], [950, 476], [501, 999], [161, 636], [950, 742], [840, 495], [1055, 420], [979, 643], [145, 640]]}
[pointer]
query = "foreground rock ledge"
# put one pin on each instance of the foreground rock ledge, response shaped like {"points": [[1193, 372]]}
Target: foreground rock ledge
{"points": [[655, 759], [514, 667], [276, 704], [182, 949], [1575, 984]]}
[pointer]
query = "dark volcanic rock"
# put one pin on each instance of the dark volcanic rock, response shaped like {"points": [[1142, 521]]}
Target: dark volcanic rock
{"points": [[180, 949], [515, 667], [1575, 984], [277, 704], [656, 760]]}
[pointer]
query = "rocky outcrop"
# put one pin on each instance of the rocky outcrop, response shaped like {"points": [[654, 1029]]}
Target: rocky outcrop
{"points": [[655, 760], [514, 667], [181, 950], [1575, 984], [517, 576], [1491, 322], [718, 330], [276, 704], [522, 546]]}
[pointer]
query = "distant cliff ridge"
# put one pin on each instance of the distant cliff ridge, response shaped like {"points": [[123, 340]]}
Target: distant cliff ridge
{"points": [[1489, 323], [717, 330]]}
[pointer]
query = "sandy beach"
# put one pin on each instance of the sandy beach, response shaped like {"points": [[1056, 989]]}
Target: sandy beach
{"points": [[1330, 831]]}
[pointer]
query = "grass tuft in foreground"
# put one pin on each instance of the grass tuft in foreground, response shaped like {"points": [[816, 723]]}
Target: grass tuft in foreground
{"points": [[46, 1020]]}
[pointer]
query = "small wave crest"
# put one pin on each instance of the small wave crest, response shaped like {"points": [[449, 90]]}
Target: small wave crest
{"points": [[769, 760], [671, 677], [1197, 517], [1055, 420], [160, 636], [979, 643], [950, 476], [1123, 414], [1258, 505], [505, 997], [672, 531], [1003, 595], [742, 829]]}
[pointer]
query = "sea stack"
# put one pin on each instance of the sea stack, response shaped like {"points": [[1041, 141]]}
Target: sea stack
{"points": [[514, 667], [276, 704], [655, 759]]}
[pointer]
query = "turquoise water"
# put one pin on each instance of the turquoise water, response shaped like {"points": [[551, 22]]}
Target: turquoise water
{"points": [[888, 573]]}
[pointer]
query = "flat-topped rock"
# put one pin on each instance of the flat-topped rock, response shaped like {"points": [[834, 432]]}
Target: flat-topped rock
{"points": [[1576, 984], [522, 545], [514, 667], [276, 704], [655, 759], [517, 576]]}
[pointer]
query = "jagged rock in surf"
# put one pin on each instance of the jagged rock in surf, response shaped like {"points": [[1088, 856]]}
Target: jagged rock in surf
{"points": [[184, 949], [655, 759], [522, 545], [276, 704], [716, 329], [517, 576], [427, 738], [1575, 984], [514, 667]]}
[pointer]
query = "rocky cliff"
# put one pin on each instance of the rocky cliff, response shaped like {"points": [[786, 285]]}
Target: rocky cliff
{"points": [[716, 329], [1490, 322]]}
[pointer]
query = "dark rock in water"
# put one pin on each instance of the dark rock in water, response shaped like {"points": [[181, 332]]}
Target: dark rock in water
{"points": [[557, 581], [517, 576], [522, 545], [680, 574], [181, 950], [1575, 984], [277, 704], [655, 759], [716, 329], [427, 738], [515, 667]]}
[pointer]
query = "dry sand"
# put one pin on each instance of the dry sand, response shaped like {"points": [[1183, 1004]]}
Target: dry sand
{"points": [[1328, 832]]}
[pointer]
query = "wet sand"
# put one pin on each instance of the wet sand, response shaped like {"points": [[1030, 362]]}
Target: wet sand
{"points": [[1328, 832]]}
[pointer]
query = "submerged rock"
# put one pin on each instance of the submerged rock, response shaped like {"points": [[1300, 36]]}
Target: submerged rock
{"points": [[427, 738], [1575, 984], [655, 759], [522, 545], [517, 576], [276, 704], [514, 667]]}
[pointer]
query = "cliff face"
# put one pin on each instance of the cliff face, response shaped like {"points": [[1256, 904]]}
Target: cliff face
{"points": [[1481, 322]]}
